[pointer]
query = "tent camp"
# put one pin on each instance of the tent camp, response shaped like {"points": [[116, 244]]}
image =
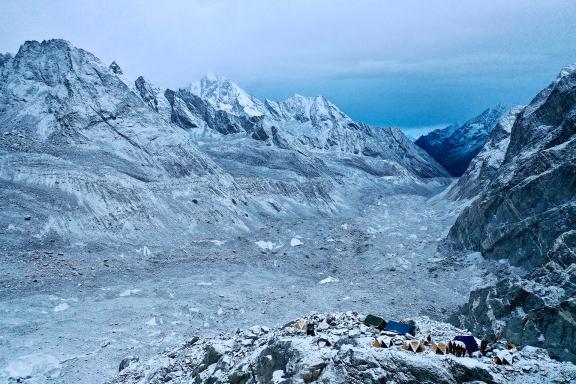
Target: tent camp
{"points": [[300, 324], [440, 348]]}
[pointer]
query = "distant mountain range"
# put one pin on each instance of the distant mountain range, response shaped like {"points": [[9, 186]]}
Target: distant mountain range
{"points": [[455, 146], [299, 123]]}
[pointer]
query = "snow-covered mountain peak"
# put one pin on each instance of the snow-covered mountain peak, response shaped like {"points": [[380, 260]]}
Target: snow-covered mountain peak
{"points": [[315, 109], [50, 44], [490, 113], [226, 95], [455, 146], [308, 102], [47, 61], [567, 71], [564, 82], [567, 78], [56, 63]]}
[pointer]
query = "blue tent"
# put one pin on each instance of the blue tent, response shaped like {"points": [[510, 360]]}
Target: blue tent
{"points": [[470, 342], [400, 328]]}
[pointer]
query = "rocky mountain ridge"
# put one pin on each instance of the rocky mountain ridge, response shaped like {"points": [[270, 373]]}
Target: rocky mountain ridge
{"points": [[525, 214], [484, 167], [298, 123], [84, 156]]}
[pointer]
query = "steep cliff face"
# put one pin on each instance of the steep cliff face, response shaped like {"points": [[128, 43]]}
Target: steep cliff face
{"points": [[455, 146], [531, 202], [537, 309], [527, 216]]}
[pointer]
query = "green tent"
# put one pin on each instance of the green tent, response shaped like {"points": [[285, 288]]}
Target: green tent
{"points": [[375, 321]]}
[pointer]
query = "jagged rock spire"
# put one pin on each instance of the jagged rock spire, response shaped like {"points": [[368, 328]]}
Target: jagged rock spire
{"points": [[114, 67]]}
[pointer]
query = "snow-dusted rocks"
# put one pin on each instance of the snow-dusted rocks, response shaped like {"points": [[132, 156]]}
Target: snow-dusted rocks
{"points": [[455, 146], [341, 352], [265, 245], [115, 68], [43, 368], [296, 242], [328, 280], [535, 309], [153, 96], [4, 57]]}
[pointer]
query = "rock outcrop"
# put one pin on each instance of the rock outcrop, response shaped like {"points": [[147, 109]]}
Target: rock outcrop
{"points": [[342, 351], [538, 309]]}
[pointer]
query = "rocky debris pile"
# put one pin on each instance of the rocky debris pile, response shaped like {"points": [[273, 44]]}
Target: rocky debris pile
{"points": [[342, 349], [537, 309]]}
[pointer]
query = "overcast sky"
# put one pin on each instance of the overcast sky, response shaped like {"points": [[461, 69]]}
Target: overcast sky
{"points": [[409, 63]]}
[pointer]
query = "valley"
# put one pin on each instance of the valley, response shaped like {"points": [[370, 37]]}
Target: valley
{"points": [[78, 323], [136, 218]]}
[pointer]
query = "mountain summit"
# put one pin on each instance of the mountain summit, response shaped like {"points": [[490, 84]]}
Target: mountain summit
{"points": [[226, 95]]}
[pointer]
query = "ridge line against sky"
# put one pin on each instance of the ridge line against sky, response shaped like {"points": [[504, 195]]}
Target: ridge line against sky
{"points": [[415, 64]]}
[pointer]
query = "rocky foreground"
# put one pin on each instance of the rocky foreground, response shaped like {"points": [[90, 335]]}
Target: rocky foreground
{"points": [[342, 351]]}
